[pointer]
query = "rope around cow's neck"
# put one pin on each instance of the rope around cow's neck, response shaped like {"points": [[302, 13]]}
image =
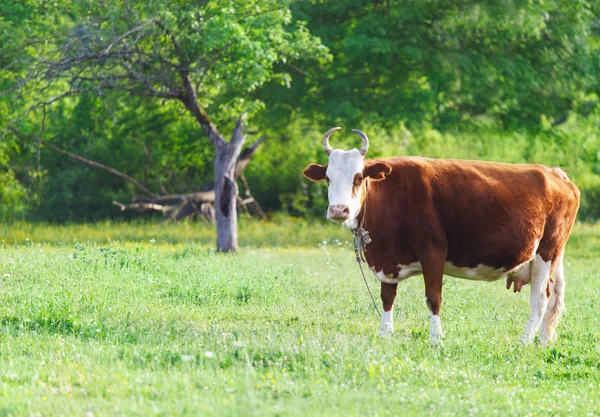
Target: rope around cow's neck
{"points": [[361, 240]]}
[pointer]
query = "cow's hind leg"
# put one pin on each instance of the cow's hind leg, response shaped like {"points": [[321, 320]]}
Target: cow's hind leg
{"points": [[433, 272], [556, 305], [540, 274], [388, 294]]}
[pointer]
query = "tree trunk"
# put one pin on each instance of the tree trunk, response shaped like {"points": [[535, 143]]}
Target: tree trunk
{"points": [[226, 192], [226, 189]]}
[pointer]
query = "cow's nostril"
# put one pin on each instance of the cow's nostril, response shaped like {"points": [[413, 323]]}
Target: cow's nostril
{"points": [[339, 212]]}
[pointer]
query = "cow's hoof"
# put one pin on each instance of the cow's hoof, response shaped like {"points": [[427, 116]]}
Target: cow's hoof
{"points": [[386, 331], [546, 339], [437, 341], [526, 340]]}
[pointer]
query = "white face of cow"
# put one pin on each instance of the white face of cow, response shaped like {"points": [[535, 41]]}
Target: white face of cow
{"points": [[344, 176]]}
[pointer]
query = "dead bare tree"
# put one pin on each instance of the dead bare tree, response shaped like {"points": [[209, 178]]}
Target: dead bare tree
{"points": [[146, 59]]}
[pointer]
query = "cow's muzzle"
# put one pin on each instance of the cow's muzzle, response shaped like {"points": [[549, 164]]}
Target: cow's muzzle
{"points": [[338, 212]]}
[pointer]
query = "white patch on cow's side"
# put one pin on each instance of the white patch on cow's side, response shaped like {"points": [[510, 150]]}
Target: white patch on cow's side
{"points": [[488, 273], [479, 273], [341, 169], [540, 274], [388, 279], [410, 270], [387, 324], [471, 273], [405, 271]]}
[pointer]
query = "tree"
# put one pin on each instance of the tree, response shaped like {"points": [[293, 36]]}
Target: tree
{"points": [[208, 57], [444, 62]]}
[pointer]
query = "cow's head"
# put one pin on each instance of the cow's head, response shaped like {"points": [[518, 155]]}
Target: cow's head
{"points": [[345, 174]]}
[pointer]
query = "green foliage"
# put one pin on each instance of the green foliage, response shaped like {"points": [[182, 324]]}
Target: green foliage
{"points": [[229, 48], [160, 149], [13, 201], [510, 81], [151, 321], [446, 62]]}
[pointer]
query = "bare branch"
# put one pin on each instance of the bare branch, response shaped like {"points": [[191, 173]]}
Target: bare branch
{"points": [[143, 207], [86, 161], [101, 166], [123, 36], [41, 138], [246, 155], [190, 98], [299, 70], [185, 206], [90, 65], [199, 196], [170, 35], [191, 102], [238, 136], [150, 163]]}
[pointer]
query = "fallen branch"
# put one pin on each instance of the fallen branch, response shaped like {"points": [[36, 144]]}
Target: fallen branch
{"points": [[188, 208], [79, 158], [199, 196], [173, 206], [142, 207], [101, 166], [246, 155]]}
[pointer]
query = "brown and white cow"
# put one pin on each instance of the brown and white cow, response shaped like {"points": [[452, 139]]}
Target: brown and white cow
{"points": [[468, 219]]}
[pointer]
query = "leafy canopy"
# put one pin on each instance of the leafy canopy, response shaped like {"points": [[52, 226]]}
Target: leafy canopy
{"points": [[229, 49], [444, 62]]}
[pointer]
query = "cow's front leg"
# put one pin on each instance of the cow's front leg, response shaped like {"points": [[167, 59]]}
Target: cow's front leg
{"points": [[388, 294], [433, 273]]}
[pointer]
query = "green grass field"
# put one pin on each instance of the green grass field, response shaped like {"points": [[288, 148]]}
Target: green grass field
{"points": [[146, 319]]}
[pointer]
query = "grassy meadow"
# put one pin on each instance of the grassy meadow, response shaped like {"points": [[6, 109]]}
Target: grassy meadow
{"points": [[146, 319]]}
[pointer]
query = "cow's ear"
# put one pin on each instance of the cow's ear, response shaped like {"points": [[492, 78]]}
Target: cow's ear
{"points": [[315, 172], [377, 171]]}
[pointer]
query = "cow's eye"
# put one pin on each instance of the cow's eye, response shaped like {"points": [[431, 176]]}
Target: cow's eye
{"points": [[358, 179], [328, 180]]}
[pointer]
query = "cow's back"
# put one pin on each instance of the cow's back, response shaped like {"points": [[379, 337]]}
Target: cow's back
{"points": [[493, 214]]}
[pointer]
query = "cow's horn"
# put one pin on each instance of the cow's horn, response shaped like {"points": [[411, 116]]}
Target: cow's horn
{"points": [[365, 141], [328, 149]]}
